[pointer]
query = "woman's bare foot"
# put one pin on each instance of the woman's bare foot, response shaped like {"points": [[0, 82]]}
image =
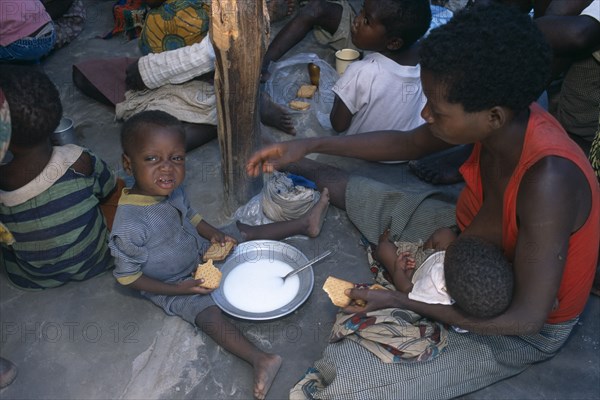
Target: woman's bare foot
{"points": [[316, 215], [265, 370], [275, 115], [279, 9], [441, 168]]}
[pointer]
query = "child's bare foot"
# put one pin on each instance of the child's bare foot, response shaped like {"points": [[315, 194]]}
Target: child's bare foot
{"points": [[265, 370], [279, 9], [316, 215], [275, 115]]}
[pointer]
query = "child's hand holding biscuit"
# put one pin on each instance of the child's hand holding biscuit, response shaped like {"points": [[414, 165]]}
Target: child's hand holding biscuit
{"points": [[192, 286], [209, 275]]}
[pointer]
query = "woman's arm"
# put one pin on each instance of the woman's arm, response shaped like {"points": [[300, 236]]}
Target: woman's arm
{"points": [[570, 36], [371, 146], [174, 66]]}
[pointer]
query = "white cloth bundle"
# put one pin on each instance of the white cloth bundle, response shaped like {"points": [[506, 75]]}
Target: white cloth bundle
{"points": [[283, 201]]}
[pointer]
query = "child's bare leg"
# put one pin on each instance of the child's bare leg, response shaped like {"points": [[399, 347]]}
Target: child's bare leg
{"points": [[275, 115], [404, 268], [316, 12], [325, 176], [198, 134], [226, 335], [309, 224], [385, 252]]}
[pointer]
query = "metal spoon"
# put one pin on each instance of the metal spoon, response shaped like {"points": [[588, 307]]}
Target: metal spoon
{"points": [[308, 264]]}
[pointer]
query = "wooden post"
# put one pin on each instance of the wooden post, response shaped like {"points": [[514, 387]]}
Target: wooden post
{"points": [[239, 33]]}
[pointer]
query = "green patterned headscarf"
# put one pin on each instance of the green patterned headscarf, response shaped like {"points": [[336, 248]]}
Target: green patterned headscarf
{"points": [[174, 24]]}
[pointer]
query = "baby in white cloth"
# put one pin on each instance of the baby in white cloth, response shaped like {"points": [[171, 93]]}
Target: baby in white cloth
{"points": [[466, 271]]}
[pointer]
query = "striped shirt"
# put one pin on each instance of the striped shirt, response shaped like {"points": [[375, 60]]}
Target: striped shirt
{"points": [[58, 227], [156, 236]]}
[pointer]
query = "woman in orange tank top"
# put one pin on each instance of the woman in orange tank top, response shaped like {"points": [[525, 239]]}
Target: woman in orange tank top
{"points": [[529, 190]]}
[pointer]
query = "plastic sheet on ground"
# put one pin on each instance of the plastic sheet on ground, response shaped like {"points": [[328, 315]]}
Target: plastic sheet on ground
{"points": [[288, 75]]}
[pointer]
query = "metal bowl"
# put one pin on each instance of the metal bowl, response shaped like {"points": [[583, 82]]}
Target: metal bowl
{"points": [[257, 250]]}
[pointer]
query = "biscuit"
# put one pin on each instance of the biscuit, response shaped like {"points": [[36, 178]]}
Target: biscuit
{"points": [[210, 274], [299, 105], [306, 91], [216, 252], [335, 288]]}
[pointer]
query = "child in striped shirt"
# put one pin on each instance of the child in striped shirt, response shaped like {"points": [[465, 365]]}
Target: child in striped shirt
{"points": [[49, 196], [157, 238]]}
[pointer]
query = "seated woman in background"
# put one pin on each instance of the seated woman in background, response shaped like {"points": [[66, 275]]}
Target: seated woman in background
{"points": [[27, 32]]}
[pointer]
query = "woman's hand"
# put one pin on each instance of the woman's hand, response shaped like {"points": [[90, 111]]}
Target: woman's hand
{"points": [[375, 299], [275, 157]]}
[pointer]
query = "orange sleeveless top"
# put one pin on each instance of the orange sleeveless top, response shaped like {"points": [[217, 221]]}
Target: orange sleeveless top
{"points": [[544, 137]]}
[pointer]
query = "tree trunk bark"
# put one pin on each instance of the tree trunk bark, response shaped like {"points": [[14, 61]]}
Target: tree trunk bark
{"points": [[239, 33]]}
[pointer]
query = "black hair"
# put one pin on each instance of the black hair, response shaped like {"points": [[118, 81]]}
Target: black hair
{"points": [[478, 277], [143, 120], [488, 56], [405, 19], [34, 102]]}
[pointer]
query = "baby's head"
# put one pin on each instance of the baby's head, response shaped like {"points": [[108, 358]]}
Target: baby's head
{"points": [[478, 277], [390, 25], [34, 102], [153, 145], [484, 57], [440, 239]]}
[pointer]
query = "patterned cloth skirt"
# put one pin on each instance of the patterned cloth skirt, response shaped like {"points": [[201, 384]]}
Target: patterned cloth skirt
{"points": [[470, 362]]}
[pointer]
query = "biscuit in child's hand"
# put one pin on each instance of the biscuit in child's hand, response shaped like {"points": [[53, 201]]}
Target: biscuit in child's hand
{"points": [[210, 274], [299, 105], [306, 91], [216, 252], [335, 289]]}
